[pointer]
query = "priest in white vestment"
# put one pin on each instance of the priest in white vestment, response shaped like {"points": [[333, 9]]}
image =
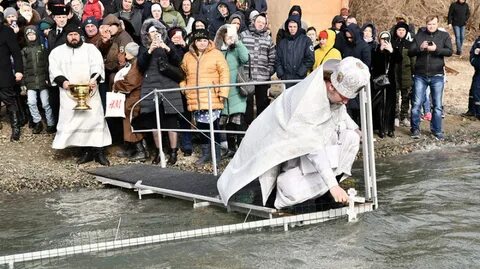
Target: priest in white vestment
{"points": [[303, 141], [79, 63]]}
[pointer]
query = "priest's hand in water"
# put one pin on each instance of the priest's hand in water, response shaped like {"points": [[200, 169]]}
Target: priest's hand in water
{"points": [[339, 194]]}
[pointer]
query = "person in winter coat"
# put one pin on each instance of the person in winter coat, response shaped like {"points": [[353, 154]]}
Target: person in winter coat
{"points": [[233, 113], [475, 89], [295, 54], [338, 26], [205, 65], [132, 15], [326, 51], [283, 31], [458, 15], [9, 50], [198, 24], [129, 81], [178, 35], [196, 7], [384, 98], [260, 5], [116, 40], [92, 8], [170, 16], [90, 28], [156, 52], [35, 80], [356, 46], [219, 17], [369, 34], [262, 60], [403, 69], [430, 46], [187, 13]]}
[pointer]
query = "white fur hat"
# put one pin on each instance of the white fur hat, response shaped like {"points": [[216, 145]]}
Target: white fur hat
{"points": [[349, 76]]}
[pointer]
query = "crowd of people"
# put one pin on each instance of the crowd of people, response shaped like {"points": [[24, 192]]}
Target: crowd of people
{"points": [[137, 46]]}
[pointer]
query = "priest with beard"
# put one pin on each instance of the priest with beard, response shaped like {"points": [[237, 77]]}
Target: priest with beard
{"points": [[80, 63]]}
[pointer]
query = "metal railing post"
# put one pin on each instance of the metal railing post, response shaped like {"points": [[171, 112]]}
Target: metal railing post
{"points": [[212, 133], [371, 150], [163, 163], [365, 142]]}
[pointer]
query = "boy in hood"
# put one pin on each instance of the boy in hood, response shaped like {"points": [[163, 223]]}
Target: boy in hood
{"points": [[35, 80]]}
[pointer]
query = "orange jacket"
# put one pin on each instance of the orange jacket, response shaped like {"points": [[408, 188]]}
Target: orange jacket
{"points": [[210, 68]]}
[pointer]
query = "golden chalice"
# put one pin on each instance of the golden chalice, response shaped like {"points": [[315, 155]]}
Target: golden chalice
{"points": [[80, 93]]}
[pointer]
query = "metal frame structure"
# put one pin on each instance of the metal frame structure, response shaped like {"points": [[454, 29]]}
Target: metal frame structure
{"points": [[274, 218]]}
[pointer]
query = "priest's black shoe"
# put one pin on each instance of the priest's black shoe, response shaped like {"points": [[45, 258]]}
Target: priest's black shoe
{"points": [[87, 156], [101, 158]]}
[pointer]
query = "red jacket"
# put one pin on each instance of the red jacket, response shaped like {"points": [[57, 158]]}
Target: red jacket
{"points": [[92, 10]]}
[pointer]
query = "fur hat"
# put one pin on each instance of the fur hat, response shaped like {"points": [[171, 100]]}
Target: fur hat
{"points": [[111, 19], [70, 28], [59, 8], [132, 49], [349, 76]]}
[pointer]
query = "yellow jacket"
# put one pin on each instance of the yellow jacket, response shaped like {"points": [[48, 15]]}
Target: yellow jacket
{"points": [[327, 52], [210, 68]]}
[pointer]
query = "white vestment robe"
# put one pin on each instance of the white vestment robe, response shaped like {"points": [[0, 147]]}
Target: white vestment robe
{"points": [[79, 128], [300, 122]]}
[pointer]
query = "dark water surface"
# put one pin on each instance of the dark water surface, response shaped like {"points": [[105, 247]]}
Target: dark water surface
{"points": [[429, 217]]}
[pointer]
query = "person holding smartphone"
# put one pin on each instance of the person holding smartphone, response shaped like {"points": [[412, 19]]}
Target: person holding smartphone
{"points": [[430, 46]]}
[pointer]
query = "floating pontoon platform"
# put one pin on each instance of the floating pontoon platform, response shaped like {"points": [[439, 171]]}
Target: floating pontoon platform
{"points": [[186, 185]]}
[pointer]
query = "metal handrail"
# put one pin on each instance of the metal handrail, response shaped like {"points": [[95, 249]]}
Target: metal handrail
{"points": [[157, 92]]}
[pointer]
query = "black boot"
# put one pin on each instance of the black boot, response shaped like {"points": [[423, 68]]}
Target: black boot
{"points": [[139, 154], [156, 157], [231, 146], [37, 128], [15, 124], [87, 155], [127, 151], [205, 155], [100, 157], [173, 156]]}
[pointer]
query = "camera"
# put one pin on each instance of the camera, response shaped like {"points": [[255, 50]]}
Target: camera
{"points": [[430, 43]]}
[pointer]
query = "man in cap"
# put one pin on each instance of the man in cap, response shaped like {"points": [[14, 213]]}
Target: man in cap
{"points": [[79, 63], [304, 142], [90, 27]]}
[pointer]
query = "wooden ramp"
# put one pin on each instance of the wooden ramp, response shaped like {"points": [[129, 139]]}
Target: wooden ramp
{"points": [[192, 186]]}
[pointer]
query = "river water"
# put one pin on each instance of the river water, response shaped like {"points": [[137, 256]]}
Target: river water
{"points": [[429, 217]]}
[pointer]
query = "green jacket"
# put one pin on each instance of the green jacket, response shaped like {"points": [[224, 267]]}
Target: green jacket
{"points": [[172, 17], [236, 57], [404, 69]]}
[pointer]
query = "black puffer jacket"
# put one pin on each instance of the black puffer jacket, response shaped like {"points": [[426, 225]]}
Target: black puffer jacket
{"points": [[35, 59], [9, 47], [357, 47], [458, 14], [295, 54], [431, 63], [152, 77]]}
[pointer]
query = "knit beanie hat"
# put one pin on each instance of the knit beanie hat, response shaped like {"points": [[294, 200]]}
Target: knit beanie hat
{"points": [[323, 35], [200, 34], [10, 11], [90, 20], [45, 24], [132, 49]]}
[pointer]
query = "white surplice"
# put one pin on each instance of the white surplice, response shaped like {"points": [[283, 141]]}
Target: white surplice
{"points": [[79, 128]]}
